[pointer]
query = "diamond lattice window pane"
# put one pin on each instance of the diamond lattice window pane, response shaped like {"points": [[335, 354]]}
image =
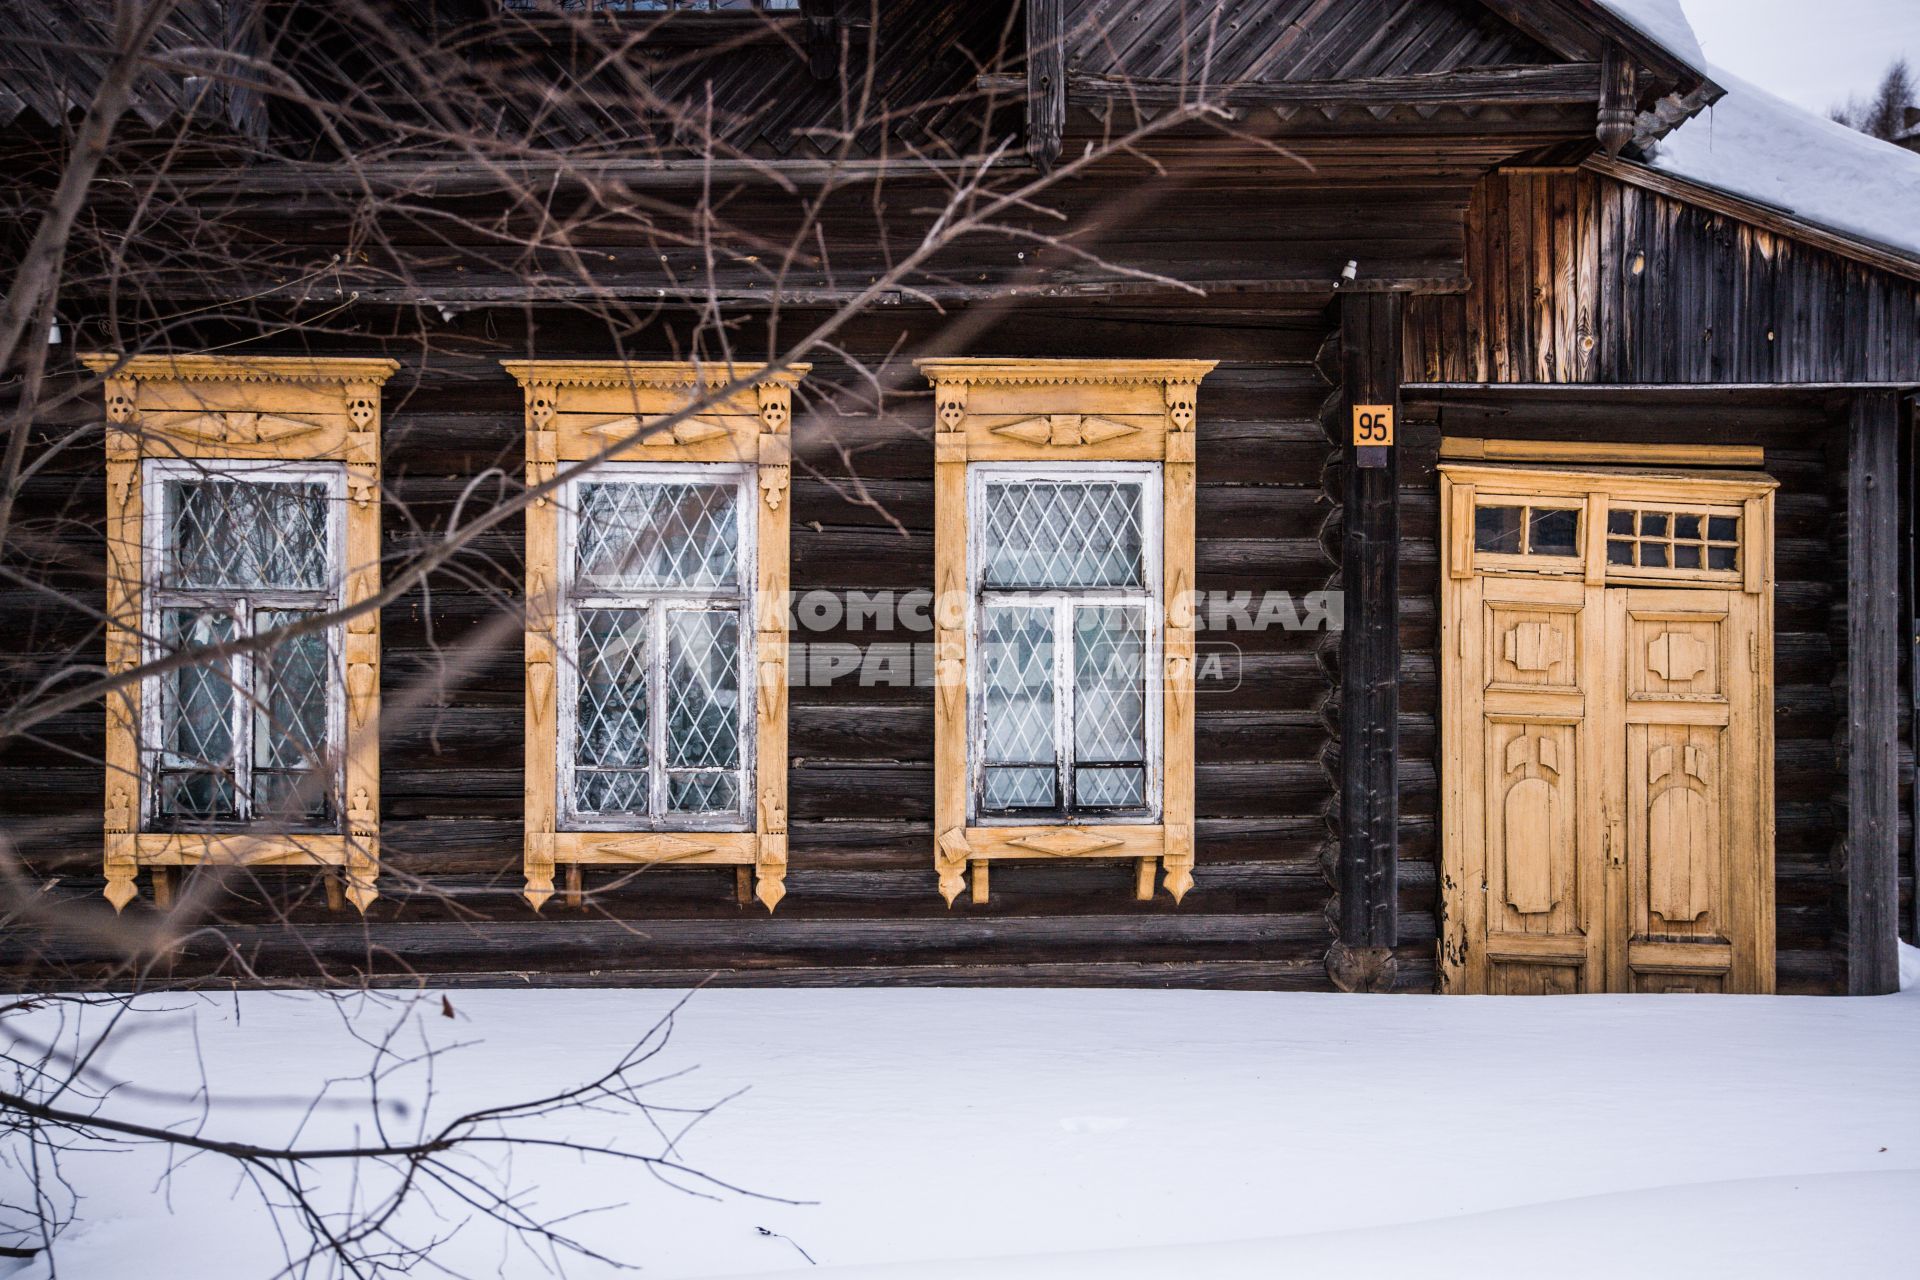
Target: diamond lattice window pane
{"points": [[611, 722], [1110, 697], [246, 533], [1016, 663], [1110, 788], [290, 720], [703, 792], [703, 689], [1043, 533], [658, 534], [1020, 788], [196, 720]]}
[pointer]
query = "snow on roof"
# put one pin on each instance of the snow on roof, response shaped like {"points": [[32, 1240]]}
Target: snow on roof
{"points": [[1665, 22], [1762, 148]]}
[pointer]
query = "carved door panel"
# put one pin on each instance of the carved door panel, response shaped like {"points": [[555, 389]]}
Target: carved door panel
{"points": [[1606, 698], [1538, 885], [1689, 894]]}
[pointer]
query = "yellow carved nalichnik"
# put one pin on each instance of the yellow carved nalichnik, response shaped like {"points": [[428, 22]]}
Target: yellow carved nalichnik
{"points": [[230, 408], [579, 411], [1064, 411]]}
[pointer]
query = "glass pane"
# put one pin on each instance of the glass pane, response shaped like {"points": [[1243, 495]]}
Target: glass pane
{"points": [[1653, 524], [1021, 788], [246, 533], [290, 720], [1723, 528], [1723, 558], [1619, 552], [1044, 533], [1554, 533], [658, 534], [1016, 662], [1687, 527], [1653, 555], [1497, 529], [703, 689], [1686, 556], [610, 713], [703, 792], [196, 720], [1123, 788], [1110, 702], [1620, 522]]}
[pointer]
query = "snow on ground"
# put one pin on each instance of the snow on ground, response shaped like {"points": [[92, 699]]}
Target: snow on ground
{"points": [[941, 1134]]}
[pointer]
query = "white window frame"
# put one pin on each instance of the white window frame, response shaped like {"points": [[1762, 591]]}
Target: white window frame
{"points": [[1146, 597], [572, 598], [157, 598]]}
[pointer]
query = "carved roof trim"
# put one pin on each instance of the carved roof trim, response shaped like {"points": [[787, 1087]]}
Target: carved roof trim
{"points": [[648, 373], [985, 369], [197, 368]]}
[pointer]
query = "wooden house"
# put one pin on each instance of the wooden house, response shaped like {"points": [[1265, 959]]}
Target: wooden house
{"points": [[1503, 535]]}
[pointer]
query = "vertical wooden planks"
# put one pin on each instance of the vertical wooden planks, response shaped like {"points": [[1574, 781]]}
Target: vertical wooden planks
{"points": [[1046, 80], [1873, 687]]}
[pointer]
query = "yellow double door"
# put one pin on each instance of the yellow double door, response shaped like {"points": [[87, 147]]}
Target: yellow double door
{"points": [[1607, 763]]}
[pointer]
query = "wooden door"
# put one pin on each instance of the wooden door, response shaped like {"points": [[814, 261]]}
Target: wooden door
{"points": [[1607, 757]]}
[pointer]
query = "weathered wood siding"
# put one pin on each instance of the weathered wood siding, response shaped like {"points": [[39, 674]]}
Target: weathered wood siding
{"points": [[1579, 278], [861, 904]]}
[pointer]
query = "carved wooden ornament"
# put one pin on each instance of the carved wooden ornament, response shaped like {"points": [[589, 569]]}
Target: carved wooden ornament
{"points": [[1062, 412], [658, 412], [254, 408]]}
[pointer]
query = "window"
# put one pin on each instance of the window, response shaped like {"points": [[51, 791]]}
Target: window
{"points": [[242, 549], [656, 630], [654, 633], [1063, 548], [1064, 635], [242, 500]]}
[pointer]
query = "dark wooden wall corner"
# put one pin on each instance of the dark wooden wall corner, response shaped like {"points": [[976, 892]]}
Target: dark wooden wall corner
{"points": [[1366, 908], [1873, 692]]}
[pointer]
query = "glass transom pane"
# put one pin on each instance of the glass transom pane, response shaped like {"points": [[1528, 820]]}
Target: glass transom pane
{"points": [[658, 533], [245, 533], [1047, 533]]}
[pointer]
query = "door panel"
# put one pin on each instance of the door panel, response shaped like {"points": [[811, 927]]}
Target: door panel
{"points": [[1607, 787]]}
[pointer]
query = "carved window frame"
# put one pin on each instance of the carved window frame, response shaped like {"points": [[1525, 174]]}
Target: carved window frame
{"points": [[575, 411], [212, 410], [1061, 415]]}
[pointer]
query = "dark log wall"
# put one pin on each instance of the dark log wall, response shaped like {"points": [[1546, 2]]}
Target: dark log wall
{"points": [[861, 904], [1579, 278]]}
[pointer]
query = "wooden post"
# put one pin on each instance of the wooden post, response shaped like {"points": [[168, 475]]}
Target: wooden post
{"points": [[1873, 686], [1046, 81], [1367, 881]]}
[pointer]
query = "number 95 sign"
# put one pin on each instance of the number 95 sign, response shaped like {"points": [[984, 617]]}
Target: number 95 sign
{"points": [[1372, 426]]}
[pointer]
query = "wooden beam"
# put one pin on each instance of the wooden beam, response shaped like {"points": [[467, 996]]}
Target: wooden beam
{"points": [[1873, 690], [1046, 81], [1469, 449], [1509, 86], [1367, 880]]}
